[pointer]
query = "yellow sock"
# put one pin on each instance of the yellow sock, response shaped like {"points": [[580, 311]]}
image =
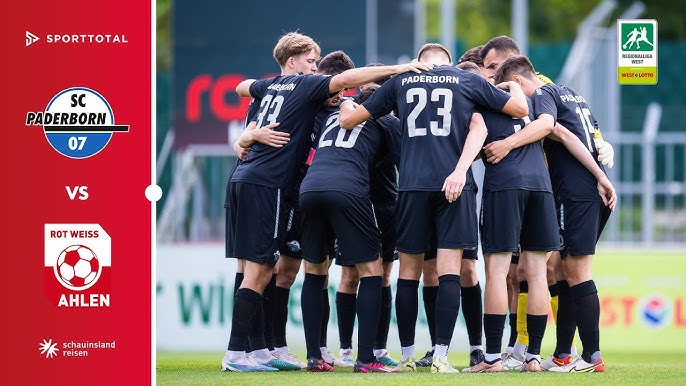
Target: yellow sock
{"points": [[553, 307], [522, 334]]}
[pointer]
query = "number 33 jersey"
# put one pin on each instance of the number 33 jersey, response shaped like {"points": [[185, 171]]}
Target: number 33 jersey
{"points": [[293, 102], [435, 109]]}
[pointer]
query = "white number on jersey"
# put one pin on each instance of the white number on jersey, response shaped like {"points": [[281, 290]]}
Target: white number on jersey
{"points": [[443, 111], [517, 126], [341, 141], [269, 104], [589, 130]]}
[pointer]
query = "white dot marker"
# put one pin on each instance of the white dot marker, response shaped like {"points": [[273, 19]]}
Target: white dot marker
{"points": [[153, 193]]}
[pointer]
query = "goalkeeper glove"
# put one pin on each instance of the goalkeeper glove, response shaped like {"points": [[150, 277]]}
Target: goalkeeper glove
{"points": [[606, 153]]}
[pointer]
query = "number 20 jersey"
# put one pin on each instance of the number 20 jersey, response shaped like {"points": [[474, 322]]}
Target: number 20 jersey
{"points": [[435, 109], [570, 179], [345, 158]]}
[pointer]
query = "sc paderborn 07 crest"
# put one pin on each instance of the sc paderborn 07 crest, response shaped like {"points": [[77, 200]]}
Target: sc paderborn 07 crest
{"points": [[78, 122]]}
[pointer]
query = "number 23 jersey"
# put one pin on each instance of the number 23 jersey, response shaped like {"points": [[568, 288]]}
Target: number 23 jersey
{"points": [[435, 109]]}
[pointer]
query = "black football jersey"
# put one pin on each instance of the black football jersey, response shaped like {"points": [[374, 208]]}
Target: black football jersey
{"points": [[523, 167], [293, 101], [384, 175], [435, 109], [570, 179], [344, 158]]}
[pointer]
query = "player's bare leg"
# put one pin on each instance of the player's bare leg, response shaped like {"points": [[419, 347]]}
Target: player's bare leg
{"points": [[512, 293], [553, 264]]}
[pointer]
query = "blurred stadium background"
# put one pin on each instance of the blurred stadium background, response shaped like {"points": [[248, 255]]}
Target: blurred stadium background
{"points": [[206, 47]]}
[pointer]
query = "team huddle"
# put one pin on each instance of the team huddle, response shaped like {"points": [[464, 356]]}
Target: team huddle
{"points": [[386, 175]]}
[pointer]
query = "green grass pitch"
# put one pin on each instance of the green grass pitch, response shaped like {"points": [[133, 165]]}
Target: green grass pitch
{"points": [[621, 369]]}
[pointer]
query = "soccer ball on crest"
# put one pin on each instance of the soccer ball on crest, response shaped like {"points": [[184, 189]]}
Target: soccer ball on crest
{"points": [[77, 267]]}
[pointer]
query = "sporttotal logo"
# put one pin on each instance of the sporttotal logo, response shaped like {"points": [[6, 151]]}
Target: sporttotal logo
{"points": [[31, 38], [637, 51], [80, 38]]}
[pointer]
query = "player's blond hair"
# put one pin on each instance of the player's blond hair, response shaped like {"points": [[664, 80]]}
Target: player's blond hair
{"points": [[294, 44]]}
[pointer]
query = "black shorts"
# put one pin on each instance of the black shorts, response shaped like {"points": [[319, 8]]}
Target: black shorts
{"points": [[385, 219], [581, 224], [516, 218], [254, 225], [348, 218], [291, 243], [422, 215]]}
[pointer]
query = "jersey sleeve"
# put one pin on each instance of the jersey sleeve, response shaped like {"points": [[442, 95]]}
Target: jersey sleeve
{"points": [[259, 87], [383, 100], [485, 94], [544, 101], [316, 87]]}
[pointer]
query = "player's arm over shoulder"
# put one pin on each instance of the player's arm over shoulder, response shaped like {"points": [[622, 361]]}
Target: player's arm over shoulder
{"points": [[243, 88], [358, 76], [352, 114]]}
